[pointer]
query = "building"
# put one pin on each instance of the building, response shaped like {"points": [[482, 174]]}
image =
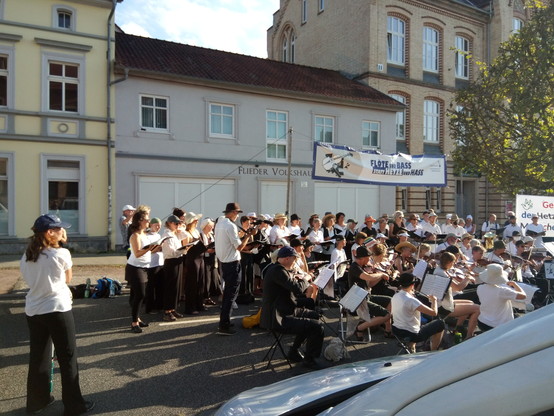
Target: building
{"points": [[198, 128], [417, 51], [56, 118]]}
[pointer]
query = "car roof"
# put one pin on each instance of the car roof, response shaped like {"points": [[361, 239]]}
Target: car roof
{"points": [[521, 337]]}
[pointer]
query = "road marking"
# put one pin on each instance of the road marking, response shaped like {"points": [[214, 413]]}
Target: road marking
{"points": [[197, 321]]}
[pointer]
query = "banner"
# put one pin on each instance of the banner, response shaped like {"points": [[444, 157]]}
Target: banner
{"points": [[344, 164], [543, 206]]}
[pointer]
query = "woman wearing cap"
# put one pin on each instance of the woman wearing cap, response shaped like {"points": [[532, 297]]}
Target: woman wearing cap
{"points": [[194, 268], [136, 270], [496, 296], [154, 287], [173, 265], [46, 268]]}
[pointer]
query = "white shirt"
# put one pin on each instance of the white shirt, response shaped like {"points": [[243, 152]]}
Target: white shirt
{"points": [[496, 307], [510, 228], [296, 230], [427, 227], [538, 229], [157, 259], [338, 256], [144, 260], [48, 291], [170, 246], [277, 233], [226, 240], [316, 237], [404, 310]]}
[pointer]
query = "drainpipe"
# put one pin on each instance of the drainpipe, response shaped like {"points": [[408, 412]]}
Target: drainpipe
{"points": [[109, 143]]}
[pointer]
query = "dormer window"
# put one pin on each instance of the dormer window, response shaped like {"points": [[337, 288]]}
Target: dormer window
{"points": [[63, 17]]}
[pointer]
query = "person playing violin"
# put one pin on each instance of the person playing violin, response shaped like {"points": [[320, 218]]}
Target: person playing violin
{"points": [[499, 255], [405, 262], [379, 263]]}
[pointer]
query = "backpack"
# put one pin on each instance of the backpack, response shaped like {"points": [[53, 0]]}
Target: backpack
{"points": [[107, 288]]}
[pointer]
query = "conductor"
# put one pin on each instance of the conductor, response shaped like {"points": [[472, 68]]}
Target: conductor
{"points": [[280, 311]]}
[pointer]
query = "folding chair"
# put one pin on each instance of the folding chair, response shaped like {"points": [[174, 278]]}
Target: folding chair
{"points": [[403, 343], [276, 344]]}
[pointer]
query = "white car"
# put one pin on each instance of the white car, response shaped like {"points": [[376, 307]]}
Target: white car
{"points": [[506, 371]]}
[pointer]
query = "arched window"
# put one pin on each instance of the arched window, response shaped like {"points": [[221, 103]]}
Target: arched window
{"points": [[396, 40], [63, 17], [288, 45], [462, 62]]}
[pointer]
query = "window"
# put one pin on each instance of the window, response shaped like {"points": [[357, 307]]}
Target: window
{"points": [[276, 135], [63, 86], [4, 80], [222, 120], [153, 112], [370, 133], [517, 24], [400, 118], [324, 129], [304, 11], [63, 17], [431, 114], [6, 189], [462, 51], [63, 190], [396, 32], [404, 199], [288, 45], [430, 49], [321, 5]]}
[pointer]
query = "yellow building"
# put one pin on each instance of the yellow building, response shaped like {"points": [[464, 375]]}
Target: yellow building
{"points": [[56, 119]]}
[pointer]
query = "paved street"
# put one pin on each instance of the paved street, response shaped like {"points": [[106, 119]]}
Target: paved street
{"points": [[180, 368]]}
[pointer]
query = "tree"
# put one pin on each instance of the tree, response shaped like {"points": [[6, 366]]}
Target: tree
{"points": [[504, 125]]}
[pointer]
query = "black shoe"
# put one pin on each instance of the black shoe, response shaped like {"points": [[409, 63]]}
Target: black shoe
{"points": [[311, 363], [143, 324], [295, 356], [226, 331], [136, 329], [36, 412], [169, 317]]}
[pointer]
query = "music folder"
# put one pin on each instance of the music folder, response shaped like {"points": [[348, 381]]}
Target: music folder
{"points": [[354, 298], [435, 285], [157, 243]]}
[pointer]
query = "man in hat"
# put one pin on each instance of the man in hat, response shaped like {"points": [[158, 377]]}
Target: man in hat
{"points": [[497, 254], [280, 311], [124, 222], [450, 240], [536, 231], [511, 227], [407, 310], [228, 246], [430, 228]]}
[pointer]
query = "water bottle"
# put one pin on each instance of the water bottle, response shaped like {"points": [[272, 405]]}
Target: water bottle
{"points": [[87, 289], [457, 337], [112, 289]]}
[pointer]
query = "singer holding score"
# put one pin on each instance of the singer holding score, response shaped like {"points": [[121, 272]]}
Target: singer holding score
{"points": [[407, 309]]}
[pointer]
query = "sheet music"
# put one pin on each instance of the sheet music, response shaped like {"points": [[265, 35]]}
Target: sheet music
{"points": [[323, 277], [435, 285], [420, 269], [549, 247], [548, 269], [529, 292], [353, 298]]}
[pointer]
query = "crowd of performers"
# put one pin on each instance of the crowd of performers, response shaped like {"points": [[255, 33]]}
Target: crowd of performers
{"points": [[176, 271]]}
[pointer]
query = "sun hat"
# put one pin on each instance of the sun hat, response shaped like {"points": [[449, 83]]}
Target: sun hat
{"points": [[494, 274], [405, 244], [190, 217]]}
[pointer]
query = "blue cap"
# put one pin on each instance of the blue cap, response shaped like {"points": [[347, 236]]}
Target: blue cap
{"points": [[287, 251], [49, 221]]}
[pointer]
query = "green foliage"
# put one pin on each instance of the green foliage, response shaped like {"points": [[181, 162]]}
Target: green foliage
{"points": [[505, 128]]}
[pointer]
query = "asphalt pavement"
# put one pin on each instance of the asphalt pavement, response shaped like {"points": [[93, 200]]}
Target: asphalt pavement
{"points": [[177, 368]]}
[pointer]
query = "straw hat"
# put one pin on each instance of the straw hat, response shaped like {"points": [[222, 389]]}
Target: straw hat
{"points": [[191, 217], [405, 244], [279, 216]]}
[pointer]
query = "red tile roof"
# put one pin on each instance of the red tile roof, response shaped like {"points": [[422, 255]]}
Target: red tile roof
{"points": [[176, 59]]}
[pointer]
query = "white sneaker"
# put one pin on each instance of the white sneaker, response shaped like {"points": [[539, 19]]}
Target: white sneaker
{"points": [[235, 306]]}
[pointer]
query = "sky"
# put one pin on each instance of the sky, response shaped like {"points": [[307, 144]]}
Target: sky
{"points": [[229, 25]]}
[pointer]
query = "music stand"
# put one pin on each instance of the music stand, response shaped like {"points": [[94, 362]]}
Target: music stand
{"points": [[549, 275], [350, 304]]}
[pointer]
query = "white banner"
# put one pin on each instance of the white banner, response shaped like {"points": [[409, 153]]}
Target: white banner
{"points": [[344, 164], [543, 206]]}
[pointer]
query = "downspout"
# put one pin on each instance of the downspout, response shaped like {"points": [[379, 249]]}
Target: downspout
{"points": [[109, 143], [489, 45]]}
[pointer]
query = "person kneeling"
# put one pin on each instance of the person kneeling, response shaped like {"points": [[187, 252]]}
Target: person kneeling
{"points": [[406, 312], [281, 312]]}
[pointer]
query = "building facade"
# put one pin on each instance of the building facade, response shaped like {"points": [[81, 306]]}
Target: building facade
{"points": [[198, 128], [55, 119], [417, 51]]}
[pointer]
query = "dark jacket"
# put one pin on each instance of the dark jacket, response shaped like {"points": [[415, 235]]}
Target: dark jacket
{"points": [[280, 290]]}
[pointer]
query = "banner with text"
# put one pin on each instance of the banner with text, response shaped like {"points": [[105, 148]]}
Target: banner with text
{"points": [[344, 164], [543, 206]]}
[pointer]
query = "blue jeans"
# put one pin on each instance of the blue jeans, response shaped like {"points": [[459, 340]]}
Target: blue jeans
{"points": [[59, 328], [230, 273]]}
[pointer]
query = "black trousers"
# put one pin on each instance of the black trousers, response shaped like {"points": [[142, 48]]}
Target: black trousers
{"points": [[172, 274], [59, 328], [154, 289], [307, 327], [137, 277]]}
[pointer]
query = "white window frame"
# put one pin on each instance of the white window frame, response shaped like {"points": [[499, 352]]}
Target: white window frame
{"points": [[462, 60], [48, 57], [400, 119], [396, 40], [370, 126], [10, 74], [277, 141], [62, 8], [222, 116], [288, 45], [517, 24], [431, 121], [154, 129], [10, 177], [45, 177], [304, 13], [326, 124], [431, 41]]}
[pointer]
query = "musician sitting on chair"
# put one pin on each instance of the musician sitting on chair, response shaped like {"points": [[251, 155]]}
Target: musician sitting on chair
{"points": [[405, 261], [280, 311], [450, 240], [300, 269], [379, 262], [512, 240], [379, 306], [407, 309], [498, 253]]}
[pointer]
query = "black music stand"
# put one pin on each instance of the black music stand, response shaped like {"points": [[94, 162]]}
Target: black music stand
{"points": [[548, 267]]}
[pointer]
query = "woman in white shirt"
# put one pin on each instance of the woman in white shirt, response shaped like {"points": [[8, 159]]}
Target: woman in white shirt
{"points": [[173, 265], [316, 237], [154, 287], [46, 268]]}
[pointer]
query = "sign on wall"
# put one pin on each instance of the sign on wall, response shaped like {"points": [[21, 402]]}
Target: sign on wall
{"points": [[543, 206], [344, 164]]}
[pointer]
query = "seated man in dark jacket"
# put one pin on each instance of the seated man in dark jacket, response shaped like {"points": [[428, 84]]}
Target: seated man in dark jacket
{"points": [[280, 311]]}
